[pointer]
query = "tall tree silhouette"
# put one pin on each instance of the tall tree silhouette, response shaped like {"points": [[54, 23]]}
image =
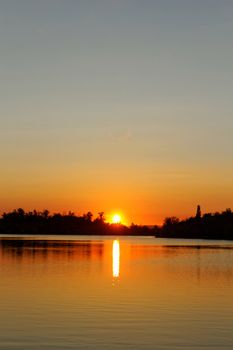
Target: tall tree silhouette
{"points": [[198, 212]]}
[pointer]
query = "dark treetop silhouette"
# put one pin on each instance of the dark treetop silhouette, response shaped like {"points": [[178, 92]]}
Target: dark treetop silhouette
{"points": [[34, 222], [207, 226]]}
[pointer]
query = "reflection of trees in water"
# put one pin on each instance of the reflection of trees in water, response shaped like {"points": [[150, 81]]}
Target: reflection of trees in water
{"points": [[190, 261], [177, 249], [41, 248]]}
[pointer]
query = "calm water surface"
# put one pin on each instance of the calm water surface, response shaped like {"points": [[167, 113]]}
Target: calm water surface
{"points": [[105, 293]]}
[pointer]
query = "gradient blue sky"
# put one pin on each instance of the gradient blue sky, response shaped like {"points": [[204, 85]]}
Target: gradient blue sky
{"points": [[117, 106]]}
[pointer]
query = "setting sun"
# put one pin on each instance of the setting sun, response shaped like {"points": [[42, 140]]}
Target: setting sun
{"points": [[116, 219]]}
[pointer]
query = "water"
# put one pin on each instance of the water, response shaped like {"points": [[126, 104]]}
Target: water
{"points": [[103, 293]]}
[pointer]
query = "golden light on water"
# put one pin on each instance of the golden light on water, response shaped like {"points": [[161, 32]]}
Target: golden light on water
{"points": [[115, 258]]}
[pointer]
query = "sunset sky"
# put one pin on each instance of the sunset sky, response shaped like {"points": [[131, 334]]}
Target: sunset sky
{"points": [[117, 105]]}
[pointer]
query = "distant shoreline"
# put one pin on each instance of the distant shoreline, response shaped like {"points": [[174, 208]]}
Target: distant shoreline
{"points": [[216, 226], [113, 235]]}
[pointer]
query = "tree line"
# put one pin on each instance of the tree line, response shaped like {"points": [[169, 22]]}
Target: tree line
{"points": [[33, 222], [217, 225]]}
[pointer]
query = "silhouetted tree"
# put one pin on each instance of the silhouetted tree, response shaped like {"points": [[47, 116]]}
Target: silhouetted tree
{"points": [[45, 214], [88, 216], [198, 212], [101, 216], [173, 220], [20, 212]]}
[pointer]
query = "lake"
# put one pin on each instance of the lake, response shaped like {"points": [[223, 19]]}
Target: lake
{"points": [[95, 292]]}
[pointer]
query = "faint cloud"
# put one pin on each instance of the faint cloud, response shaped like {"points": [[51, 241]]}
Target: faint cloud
{"points": [[120, 134]]}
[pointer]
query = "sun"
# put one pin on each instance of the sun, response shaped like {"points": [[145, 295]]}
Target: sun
{"points": [[116, 219]]}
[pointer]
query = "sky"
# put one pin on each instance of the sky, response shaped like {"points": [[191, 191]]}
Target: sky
{"points": [[116, 106]]}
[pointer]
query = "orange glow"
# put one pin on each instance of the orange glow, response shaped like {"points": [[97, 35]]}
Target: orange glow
{"points": [[138, 201]]}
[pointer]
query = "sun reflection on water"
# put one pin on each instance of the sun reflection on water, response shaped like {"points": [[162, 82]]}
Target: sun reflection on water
{"points": [[115, 258]]}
